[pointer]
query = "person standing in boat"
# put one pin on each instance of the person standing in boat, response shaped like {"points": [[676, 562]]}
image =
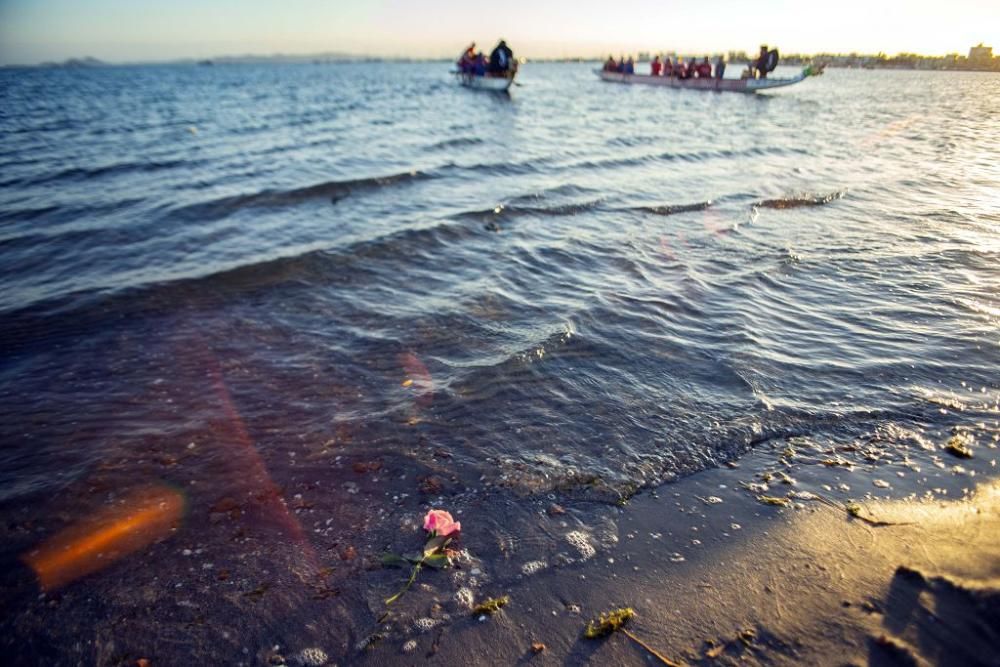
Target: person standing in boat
{"points": [[761, 65], [720, 67], [656, 66], [668, 67], [502, 59], [611, 65], [630, 66]]}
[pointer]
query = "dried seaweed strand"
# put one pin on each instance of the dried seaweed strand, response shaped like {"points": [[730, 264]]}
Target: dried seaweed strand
{"points": [[614, 621]]}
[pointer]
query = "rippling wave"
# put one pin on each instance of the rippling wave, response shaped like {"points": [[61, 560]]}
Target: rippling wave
{"points": [[800, 200], [365, 266], [333, 190]]}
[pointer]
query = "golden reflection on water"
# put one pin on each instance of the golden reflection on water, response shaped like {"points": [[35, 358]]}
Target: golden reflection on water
{"points": [[145, 516]]}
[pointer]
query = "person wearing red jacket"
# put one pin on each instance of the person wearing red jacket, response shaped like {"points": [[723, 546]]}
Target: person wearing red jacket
{"points": [[705, 69], [656, 66]]}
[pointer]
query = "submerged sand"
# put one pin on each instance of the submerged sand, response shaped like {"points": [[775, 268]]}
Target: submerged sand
{"points": [[799, 553]]}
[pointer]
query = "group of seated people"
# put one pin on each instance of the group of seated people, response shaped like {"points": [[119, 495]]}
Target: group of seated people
{"points": [[500, 63], [681, 69], [621, 66]]}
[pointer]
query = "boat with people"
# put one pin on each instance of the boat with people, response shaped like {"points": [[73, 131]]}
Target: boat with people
{"points": [[735, 85], [703, 76], [496, 73]]}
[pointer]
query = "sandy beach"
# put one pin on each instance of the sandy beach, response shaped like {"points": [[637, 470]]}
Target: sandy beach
{"points": [[718, 577]]}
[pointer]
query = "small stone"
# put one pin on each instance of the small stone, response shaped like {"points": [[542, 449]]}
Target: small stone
{"points": [[555, 510], [410, 646], [537, 647], [142, 662]]}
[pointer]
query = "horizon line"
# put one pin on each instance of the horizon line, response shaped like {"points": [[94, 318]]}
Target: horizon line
{"points": [[347, 55]]}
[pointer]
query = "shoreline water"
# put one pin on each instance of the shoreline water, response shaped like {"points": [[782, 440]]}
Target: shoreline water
{"points": [[273, 315], [717, 571]]}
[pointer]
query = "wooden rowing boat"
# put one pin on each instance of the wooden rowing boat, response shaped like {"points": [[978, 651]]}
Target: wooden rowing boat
{"points": [[732, 85]]}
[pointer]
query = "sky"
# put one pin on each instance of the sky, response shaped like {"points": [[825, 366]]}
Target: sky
{"points": [[32, 31]]}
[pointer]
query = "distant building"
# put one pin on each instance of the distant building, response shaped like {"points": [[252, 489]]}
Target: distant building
{"points": [[981, 55]]}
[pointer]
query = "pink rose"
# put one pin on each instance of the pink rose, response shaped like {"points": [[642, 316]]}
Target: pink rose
{"points": [[440, 523]]}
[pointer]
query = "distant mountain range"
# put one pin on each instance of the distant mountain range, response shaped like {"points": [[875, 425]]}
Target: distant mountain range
{"points": [[77, 63]]}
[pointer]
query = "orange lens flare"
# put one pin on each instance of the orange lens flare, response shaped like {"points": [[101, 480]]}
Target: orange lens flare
{"points": [[146, 516]]}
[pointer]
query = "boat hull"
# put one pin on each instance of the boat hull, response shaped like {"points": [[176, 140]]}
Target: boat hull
{"points": [[494, 83], [729, 85]]}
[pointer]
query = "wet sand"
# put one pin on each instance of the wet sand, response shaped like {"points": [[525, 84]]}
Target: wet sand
{"points": [[718, 577], [759, 561]]}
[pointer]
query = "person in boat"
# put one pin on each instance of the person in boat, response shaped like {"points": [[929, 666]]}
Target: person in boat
{"points": [[630, 66], [683, 69], [720, 67], [479, 64], [611, 65], [466, 59], [761, 64], [656, 66], [501, 60], [620, 67], [704, 69], [668, 68]]}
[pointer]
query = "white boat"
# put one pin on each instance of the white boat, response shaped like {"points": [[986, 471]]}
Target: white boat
{"points": [[733, 85], [487, 82]]}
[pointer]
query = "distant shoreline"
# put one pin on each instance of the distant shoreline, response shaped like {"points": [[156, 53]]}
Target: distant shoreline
{"points": [[841, 61]]}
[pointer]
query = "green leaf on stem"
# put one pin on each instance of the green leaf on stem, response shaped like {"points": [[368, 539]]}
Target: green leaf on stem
{"points": [[437, 561], [436, 543]]}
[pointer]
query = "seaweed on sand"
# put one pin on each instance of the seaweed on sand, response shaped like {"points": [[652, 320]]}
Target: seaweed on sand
{"points": [[614, 621], [491, 606], [608, 623], [957, 446], [855, 510]]}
